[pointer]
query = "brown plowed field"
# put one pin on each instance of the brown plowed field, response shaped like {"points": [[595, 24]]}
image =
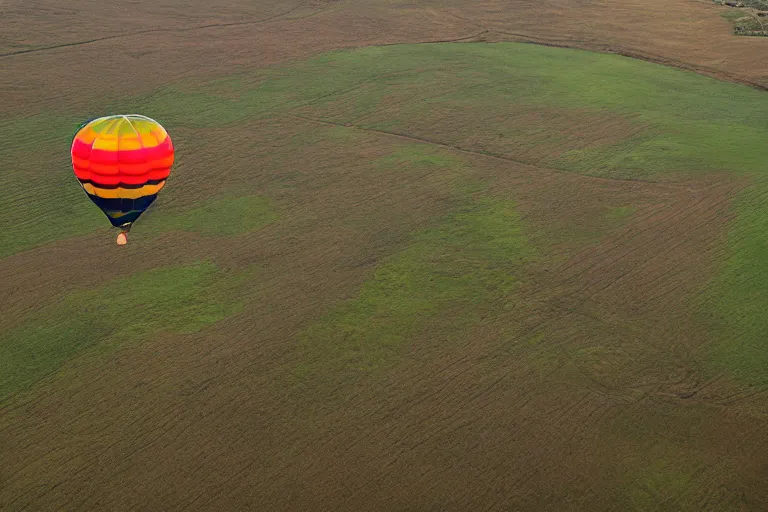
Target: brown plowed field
{"points": [[491, 421], [71, 47]]}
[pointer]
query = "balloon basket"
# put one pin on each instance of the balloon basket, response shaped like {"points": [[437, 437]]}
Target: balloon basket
{"points": [[122, 239]]}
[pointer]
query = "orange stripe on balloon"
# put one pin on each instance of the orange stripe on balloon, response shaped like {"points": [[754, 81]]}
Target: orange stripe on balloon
{"points": [[165, 162], [87, 136]]}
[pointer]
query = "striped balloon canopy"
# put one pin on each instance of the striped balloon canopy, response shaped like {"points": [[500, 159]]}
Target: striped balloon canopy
{"points": [[122, 162]]}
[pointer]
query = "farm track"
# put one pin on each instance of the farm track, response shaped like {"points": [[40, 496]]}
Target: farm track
{"points": [[142, 32]]}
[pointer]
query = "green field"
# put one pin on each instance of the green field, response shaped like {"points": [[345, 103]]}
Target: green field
{"points": [[444, 186], [123, 311], [746, 23], [760, 5]]}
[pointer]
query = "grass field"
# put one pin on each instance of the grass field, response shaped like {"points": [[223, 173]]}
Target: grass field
{"points": [[760, 5], [410, 277], [183, 299]]}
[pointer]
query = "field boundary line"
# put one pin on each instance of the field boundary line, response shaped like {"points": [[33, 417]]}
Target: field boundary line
{"points": [[632, 53], [487, 154]]}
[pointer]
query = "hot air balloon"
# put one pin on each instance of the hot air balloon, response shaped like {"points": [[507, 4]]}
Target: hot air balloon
{"points": [[122, 163]]}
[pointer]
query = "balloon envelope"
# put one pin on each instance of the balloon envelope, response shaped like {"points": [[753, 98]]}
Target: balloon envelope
{"points": [[122, 163]]}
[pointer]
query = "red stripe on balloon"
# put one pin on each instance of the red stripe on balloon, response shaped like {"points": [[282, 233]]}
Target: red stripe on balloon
{"points": [[114, 178], [127, 179], [80, 149], [84, 151]]}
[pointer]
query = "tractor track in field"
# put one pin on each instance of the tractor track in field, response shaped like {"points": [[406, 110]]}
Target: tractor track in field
{"points": [[451, 147], [154, 31]]}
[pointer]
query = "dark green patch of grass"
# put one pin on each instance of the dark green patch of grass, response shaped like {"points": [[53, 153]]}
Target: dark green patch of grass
{"points": [[662, 456], [733, 15], [420, 156], [761, 5], [661, 479], [737, 302], [435, 285], [40, 199], [619, 212], [746, 23], [130, 310], [225, 216]]}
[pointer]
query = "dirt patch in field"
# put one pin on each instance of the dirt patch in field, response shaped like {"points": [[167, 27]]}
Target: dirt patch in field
{"points": [[59, 64]]}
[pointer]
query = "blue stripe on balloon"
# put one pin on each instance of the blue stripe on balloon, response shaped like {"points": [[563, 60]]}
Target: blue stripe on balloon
{"points": [[122, 211]]}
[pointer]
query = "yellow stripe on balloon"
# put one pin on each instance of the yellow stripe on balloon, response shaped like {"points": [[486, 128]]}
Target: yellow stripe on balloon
{"points": [[109, 131], [104, 133], [107, 144], [117, 215], [148, 140], [123, 193], [129, 144], [103, 124]]}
